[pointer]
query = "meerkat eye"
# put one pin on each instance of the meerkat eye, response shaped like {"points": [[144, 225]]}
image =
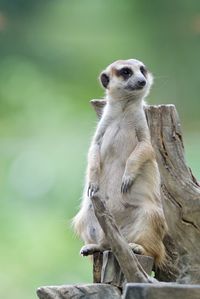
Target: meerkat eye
{"points": [[143, 70], [125, 72]]}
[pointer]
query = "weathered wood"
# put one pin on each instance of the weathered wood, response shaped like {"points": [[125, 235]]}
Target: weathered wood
{"points": [[97, 266], [111, 271], [129, 264], [132, 290], [169, 272], [86, 291], [180, 190], [161, 291], [180, 193]]}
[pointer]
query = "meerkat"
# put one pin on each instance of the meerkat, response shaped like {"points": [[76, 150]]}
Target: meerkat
{"points": [[122, 167]]}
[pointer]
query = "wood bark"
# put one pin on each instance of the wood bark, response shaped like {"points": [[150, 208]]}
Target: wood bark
{"points": [[180, 194]]}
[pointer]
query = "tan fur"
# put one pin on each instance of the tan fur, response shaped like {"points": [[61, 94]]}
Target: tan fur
{"points": [[122, 166]]}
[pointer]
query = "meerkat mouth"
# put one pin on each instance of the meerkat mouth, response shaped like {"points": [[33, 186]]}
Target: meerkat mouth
{"points": [[135, 87]]}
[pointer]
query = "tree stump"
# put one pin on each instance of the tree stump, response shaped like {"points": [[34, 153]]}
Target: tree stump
{"points": [[180, 190]]}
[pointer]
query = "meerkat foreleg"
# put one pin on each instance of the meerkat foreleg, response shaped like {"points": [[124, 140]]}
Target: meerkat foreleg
{"points": [[142, 153], [93, 169], [94, 159]]}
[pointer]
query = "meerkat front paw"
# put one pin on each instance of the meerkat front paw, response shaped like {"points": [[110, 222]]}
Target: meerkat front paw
{"points": [[127, 182], [92, 189]]}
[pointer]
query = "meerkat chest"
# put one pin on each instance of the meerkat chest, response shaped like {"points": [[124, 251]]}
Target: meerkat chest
{"points": [[119, 139]]}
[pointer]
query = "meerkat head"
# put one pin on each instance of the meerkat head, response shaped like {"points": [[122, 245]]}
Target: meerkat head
{"points": [[126, 79]]}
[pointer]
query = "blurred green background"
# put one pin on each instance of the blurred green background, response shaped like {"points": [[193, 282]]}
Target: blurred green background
{"points": [[51, 53]]}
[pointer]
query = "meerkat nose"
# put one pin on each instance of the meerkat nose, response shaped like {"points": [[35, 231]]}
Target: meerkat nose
{"points": [[141, 83]]}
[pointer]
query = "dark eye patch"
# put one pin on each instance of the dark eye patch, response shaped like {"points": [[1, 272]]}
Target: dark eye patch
{"points": [[125, 72], [143, 70]]}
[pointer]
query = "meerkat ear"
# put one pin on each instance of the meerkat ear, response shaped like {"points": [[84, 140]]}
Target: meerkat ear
{"points": [[104, 80]]}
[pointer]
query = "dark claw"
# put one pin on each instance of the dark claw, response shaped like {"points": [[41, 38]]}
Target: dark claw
{"points": [[126, 184], [123, 188], [92, 189], [88, 191]]}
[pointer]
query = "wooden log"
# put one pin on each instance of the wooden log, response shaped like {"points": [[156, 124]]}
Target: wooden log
{"points": [[86, 291], [164, 291], [180, 193], [132, 290]]}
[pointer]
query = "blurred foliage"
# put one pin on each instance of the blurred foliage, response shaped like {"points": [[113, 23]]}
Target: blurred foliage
{"points": [[51, 53]]}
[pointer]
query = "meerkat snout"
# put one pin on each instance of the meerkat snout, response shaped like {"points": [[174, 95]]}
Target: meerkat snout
{"points": [[141, 83]]}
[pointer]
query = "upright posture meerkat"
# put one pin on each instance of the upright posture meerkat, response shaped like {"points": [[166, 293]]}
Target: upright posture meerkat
{"points": [[122, 166]]}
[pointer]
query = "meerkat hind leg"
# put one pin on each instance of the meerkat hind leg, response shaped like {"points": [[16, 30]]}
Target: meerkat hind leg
{"points": [[138, 249], [89, 249]]}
